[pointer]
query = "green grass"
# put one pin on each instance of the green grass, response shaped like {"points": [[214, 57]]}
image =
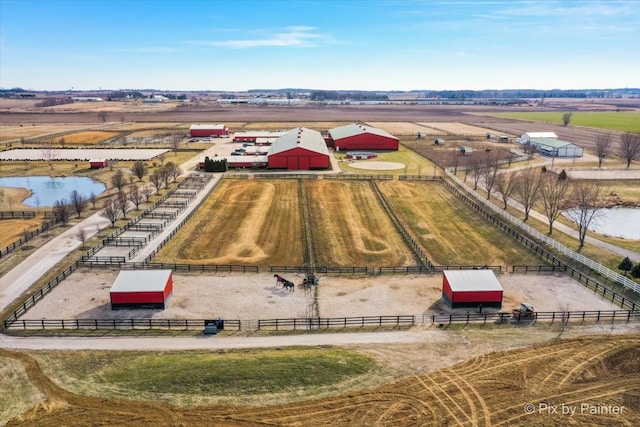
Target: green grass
{"points": [[229, 373], [414, 163], [612, 120]]}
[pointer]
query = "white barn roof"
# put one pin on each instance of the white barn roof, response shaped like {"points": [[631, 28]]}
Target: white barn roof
{"points": [[217, 126], [141, 281], [357, 129], [472, 280], [530, 135], [300, 137]]}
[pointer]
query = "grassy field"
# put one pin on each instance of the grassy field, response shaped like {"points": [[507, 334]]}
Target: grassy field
{"points": [[449, 231], [86, 138], [414, 164], [247, 222], [621, 121]]}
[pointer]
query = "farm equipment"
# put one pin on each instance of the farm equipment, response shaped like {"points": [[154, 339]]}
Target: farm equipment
{"points": [[525, 311]]}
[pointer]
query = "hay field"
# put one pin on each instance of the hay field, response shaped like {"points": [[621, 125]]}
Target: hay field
{"points": [[351, 228], [458, 128], [283, 125], [126, 127], [86, 138], [11, 230], [8, 132], [449, 231], [246, 222], [405, 128]]}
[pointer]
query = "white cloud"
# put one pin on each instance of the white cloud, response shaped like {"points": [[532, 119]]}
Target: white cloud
{"points": [[296, 36]]}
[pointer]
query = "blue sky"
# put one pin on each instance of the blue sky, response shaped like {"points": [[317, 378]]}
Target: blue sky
{"points": [[365, 45]]}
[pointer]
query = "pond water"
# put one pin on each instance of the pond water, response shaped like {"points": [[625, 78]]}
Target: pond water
{"points": [[47, 190], [617, 222]]}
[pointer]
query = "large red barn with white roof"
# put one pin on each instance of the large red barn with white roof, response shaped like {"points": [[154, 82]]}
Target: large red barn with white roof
{"points": [[358, 136], [299, 149]]}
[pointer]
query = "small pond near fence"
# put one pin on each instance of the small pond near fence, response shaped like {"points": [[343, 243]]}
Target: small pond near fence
{"points": [[617, 222], [46, 190]]}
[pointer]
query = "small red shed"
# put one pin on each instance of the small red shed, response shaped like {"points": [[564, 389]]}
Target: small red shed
{"points": [[98, 163], [217, 130], [358, 136], [471, 288], [141, 289]]}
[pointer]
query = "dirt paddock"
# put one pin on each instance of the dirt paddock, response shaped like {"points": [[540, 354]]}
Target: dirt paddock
{"points": [[85, 294]]}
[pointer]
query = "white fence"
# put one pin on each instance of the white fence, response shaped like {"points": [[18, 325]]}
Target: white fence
{"points": [[604, 271]]}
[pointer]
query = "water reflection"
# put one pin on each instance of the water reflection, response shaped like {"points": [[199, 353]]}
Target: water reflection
{"points": [[46, 189]]}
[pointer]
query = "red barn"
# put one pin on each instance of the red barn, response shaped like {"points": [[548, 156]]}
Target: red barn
{"points": [[299, 149], [357, 136], [98, 163], [471, 288], [216, 130], [141, 289]]}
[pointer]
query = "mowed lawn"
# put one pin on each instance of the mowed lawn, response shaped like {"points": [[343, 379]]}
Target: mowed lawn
{"points": [[450, 231], [612, 120], [351, 228], [244, 222]]}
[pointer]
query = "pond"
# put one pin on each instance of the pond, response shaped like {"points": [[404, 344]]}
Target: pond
{"points": [[617, 222], [46, 190]]}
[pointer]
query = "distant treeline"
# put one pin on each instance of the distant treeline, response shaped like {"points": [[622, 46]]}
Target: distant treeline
{"points": [[325, 95], [527, 93]]}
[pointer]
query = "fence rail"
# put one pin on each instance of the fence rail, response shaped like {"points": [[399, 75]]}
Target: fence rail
{"points": [[17, 214], [26, 237], [358, 177], [319, 322], [116, 324], [552, 316]]}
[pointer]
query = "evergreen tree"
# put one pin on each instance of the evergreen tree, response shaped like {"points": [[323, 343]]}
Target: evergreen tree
{"points": [[626, 265]]}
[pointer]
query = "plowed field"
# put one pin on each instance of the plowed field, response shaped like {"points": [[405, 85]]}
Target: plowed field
{"points": [[590, 381]]}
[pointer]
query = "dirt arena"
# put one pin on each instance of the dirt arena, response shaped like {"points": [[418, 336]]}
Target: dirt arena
{"points": [[85, 295]]}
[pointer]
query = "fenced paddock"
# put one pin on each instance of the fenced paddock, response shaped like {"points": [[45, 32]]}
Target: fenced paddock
{"points": [[80, 154]]}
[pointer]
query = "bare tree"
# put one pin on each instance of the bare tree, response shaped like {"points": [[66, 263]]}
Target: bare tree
{"points": [[26, 237], [175, 143], [118, 180], [603, 146], [140, 169], [456, 160], [112, 163], [50, 153], [173, 170], [553, 193], [102, 115], [527, 188], [38, 203], [490, 171], [122, 201], [587, 200], [505, 185], [146, 191], [474, 164], [566, 118], [93, 199], [78, 202], [45, 224], [110, 211], [165, 175], [81, 235], [629, 147], [132, 180], [156, 180], [161, 158], [135, 196], [62, 211]]}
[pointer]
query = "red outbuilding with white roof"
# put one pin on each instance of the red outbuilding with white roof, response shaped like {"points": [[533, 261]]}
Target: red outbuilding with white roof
{"points": [[204, 130], [141, 289], [299, 149], [471, 288], [358, 136]]}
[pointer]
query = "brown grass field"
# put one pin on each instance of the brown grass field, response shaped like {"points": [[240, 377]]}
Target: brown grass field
{"points": [[445, 227], [595, 375], [86, 138], [284, 125], [12, 230], [350, 227], [405, 128], [457, 128], [30, 130], [248, 222]]}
